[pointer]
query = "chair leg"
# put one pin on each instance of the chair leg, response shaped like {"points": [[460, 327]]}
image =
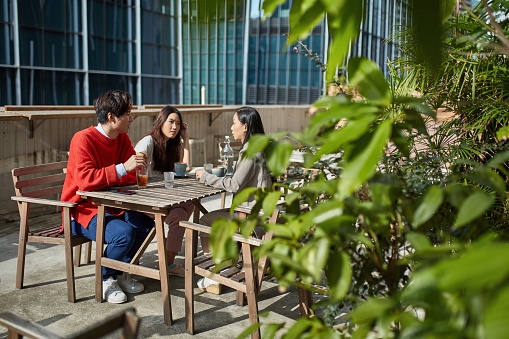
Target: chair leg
{"points": [[190, 250], [69, 264], [251, 290], [305, 302], [22, 245], [239, 298], [88, 253], [77, 255]]}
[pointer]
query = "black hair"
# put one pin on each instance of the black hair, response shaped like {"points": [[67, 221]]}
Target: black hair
{"points": [[251, 118], [116, 102], [166, 153]]}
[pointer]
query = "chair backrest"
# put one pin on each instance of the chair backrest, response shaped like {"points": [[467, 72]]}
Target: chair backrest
{"points": [[39, 180], [126, 320]]}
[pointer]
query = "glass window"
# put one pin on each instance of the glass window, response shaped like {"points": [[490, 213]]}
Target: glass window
{"points": [[30, 47], [30, 13], [53, 88], [5, 9], [7, 86], [146, 58], [54, 14], [7, 57], [54, 49], [95, 18], [96, 53], [146, 29]]}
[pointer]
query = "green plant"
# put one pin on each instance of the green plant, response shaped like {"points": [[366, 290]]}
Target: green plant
{"points": [[405, 237]]}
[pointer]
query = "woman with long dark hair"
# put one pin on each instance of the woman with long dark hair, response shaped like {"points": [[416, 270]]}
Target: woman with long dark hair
{"points": [[164, 145], [246, 173]]}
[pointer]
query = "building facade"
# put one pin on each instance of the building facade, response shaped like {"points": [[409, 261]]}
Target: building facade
{"points": [[167, 51]]}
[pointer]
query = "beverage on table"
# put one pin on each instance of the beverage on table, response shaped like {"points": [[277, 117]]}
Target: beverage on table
{"points": [[141, 176]]}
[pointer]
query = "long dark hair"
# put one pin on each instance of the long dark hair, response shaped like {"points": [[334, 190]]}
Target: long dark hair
{"points": [[166, 153], [250, 117]]}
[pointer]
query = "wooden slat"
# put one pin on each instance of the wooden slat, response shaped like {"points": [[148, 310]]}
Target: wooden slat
{"points": [[42, 180], [239, 277], [207, 229], [202, 258], [229, 272], [47, 191], [206, 264], [39, 168]]}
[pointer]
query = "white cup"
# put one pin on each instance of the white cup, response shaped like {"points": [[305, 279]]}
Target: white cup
{"points": [[168, 179]]}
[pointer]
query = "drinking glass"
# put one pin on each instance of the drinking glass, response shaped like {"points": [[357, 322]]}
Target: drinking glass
{"points": [[141, 176], [208, 167], [168, 179]]}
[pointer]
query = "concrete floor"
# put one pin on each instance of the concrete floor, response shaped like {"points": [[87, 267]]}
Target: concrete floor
{"points": [[44, 298]]}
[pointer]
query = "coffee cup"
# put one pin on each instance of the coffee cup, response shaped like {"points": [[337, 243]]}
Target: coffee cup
{"points": [[180, 169], [218, 171]]}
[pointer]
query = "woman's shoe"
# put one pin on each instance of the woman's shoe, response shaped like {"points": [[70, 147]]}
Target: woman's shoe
{"points": [[176, 269], [209, 285]]}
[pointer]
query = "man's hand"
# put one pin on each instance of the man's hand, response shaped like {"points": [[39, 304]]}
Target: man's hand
{"points": [[134, 161]]}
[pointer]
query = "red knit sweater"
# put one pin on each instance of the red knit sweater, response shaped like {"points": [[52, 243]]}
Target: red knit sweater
{"points": [[91, 166]]}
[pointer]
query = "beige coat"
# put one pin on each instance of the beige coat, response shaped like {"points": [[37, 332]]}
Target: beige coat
{"points": [[246, 173]]}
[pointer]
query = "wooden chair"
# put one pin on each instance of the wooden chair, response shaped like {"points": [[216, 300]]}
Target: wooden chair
{"points": [[126, 320], [41, 186], [246, 282]]}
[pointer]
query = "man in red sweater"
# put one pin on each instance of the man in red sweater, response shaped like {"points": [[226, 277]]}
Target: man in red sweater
{"points": [[102, 156]]}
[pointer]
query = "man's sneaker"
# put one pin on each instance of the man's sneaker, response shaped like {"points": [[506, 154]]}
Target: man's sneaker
{"points": [[129, 285], [112, 293]]}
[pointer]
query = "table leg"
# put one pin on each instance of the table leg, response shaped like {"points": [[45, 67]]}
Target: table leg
{"points": [[163, 269], [99, 244], [196, 220]]}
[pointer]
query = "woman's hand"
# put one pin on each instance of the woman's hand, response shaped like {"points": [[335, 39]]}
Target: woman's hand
{"points": [[199, 173], [134, 161], [184, 129]]}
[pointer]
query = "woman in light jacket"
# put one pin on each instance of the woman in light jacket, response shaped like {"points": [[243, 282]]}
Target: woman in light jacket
{"points": [[246, 173]]}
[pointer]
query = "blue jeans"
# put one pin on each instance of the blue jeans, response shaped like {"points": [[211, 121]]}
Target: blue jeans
{"points": [[123, 234]]}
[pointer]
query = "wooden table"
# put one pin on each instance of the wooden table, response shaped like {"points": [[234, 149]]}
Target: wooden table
{"points": [[158, 201]]}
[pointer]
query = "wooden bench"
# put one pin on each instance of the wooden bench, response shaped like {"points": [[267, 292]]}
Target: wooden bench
{"points": [[246, 280], [126, 320], [42, 184]]}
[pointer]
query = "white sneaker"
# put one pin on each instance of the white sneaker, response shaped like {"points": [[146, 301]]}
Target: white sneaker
{"points": [[130, 285], [112, 293]]}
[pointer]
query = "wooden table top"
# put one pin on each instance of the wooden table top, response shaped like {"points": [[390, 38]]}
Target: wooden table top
{"points": [[155, 196]]}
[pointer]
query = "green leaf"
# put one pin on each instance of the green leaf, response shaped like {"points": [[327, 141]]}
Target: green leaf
{"points": [[489, 178], [344, 29], [334, 141], [257, 143], [359, 169], [473, 207], [248, 331], [365, 75], [269, 6], [313, 256], [503, 133], [339, 274], [371, 309], [428, 205], [269, 203], [304, 16], [278, 156], [419, 241], [242, 196], [222, 245], [270, 330], [495, 316]]}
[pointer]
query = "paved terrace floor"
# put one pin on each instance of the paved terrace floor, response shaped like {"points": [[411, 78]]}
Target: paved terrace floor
{"points": [[44, 297]]}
